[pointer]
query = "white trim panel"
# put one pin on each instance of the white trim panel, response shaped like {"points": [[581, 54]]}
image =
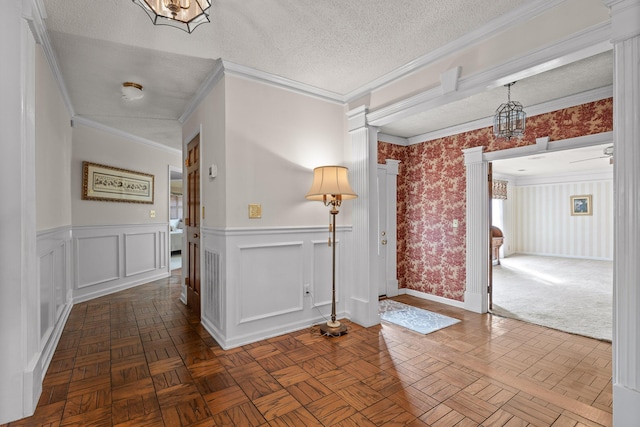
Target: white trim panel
{"points": [[108, 259], [254, 288]]}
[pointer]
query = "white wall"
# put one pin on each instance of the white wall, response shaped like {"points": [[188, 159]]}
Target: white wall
{"points": [[255, 270], [275, 138], [544, 224], [53, 151], [53, 217], [208, 120], [97, 146]]}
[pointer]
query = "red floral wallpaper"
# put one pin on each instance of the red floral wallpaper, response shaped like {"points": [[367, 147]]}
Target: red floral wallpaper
{"points": [[431, 194]]}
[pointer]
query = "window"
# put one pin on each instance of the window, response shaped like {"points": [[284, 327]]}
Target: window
{"points": [[175, 206]]}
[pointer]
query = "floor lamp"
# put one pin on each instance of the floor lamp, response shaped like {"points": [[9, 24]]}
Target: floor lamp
{"points": [[331, 186]]}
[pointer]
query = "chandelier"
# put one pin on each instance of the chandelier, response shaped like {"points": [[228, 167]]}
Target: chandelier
{"points": [[509, 119], [183, 14]]}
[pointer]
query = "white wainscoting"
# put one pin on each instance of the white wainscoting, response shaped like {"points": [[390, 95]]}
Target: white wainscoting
{"points": [[256, 289], [108, 259], [55, 302]]}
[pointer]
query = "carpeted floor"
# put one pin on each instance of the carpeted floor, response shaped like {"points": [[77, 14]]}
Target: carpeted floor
{"points": [[176, 261], [572, 295]]}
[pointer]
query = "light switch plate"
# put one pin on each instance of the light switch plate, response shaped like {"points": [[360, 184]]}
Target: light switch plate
{"points": [[255, 211]]}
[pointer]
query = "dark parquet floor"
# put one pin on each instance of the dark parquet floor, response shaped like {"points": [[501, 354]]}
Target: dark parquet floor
{"points": [[139, 358]]}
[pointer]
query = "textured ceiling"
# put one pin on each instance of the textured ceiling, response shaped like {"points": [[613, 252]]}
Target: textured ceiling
{"points": [[334, 45]]}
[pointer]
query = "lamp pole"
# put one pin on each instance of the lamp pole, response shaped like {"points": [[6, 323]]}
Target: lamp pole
{"points": [[333, 327]]}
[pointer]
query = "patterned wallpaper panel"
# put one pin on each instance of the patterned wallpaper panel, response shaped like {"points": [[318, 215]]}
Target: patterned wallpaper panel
{"points": [[431, 194]]}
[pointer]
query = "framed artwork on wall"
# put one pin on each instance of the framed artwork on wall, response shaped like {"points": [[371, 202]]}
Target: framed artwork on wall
{"points": [[111, 184], [581, 205]]}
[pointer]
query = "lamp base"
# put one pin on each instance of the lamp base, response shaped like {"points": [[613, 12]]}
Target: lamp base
{"points": [[333, 329]]}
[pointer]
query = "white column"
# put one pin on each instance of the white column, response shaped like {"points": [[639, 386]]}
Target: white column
{"points": [[625, 19], [362, 290], [19, 299], [392, 228], [475, 294]]}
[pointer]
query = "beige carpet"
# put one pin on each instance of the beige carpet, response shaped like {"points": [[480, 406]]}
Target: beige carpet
{"points": [[572, 295], [176, 261]]}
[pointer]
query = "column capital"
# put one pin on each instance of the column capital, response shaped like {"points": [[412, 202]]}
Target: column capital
{"points": [[473, 155], [392, 166], [357, 118], [625, 19]]}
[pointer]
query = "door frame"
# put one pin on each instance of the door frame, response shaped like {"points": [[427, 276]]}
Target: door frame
{"points": [[476, 294], [391, 210]]}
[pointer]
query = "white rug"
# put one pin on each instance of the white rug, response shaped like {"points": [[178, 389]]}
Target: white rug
{"points": [[416, 319], [571, 295]]}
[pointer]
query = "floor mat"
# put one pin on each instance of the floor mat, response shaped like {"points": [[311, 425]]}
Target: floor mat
{"points": [[416, 319]]}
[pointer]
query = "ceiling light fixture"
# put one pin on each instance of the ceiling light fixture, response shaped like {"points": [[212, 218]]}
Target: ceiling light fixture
{"points": [[183, 14], [509, 120], [131, 91]]}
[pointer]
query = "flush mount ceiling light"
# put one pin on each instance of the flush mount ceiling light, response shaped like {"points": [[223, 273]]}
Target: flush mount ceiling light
{"points": [[131, 91], [509, 120], [183, 14]]}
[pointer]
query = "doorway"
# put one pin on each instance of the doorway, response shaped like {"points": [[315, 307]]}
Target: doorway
{"points": [[176, 218], [387, 178], [555, 268]]}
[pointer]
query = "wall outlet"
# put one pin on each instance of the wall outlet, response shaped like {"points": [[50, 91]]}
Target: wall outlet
{"points": [[152, 214], [307, 290]]}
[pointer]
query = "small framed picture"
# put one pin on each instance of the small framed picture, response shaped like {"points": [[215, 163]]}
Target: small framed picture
{"points": [[581, 205]]}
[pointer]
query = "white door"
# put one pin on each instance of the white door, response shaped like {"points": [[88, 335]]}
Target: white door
{"points": [[382, 230]]}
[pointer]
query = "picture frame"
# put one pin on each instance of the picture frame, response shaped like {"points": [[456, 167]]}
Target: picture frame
{"points": [[581, 205], [112, 184]]}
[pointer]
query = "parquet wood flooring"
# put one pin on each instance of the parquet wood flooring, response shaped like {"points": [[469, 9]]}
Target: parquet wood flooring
{"points": [[140, 358]]}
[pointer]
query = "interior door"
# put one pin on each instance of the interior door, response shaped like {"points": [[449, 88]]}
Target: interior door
{"points": [[192, 223], [490, 184], [382, 230]]}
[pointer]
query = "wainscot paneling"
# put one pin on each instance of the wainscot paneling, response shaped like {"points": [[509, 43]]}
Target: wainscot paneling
{"points": [[108, 259], [54, 288], [138, 258], [257, 289]]}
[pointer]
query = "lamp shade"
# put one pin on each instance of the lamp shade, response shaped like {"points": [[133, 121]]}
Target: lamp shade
{"points": [[330, 181]]}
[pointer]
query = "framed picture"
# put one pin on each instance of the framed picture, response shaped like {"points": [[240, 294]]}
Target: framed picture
{"points": [[581, 205], [110, 184]]}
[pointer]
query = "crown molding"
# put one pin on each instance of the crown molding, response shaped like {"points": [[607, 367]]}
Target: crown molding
{"points": [[533, 110], [38, 27], [578, 46], [210, 82], [392, 139], [604, 174], [122, 134], [510, 19], [281, 82]]}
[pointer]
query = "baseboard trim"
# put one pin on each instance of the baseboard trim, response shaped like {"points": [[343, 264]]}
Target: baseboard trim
{"points": [[230, 343], [121, 287], [434, 298]]}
